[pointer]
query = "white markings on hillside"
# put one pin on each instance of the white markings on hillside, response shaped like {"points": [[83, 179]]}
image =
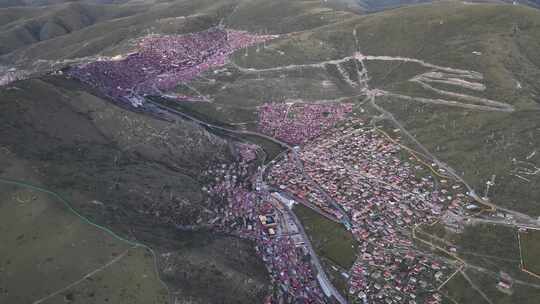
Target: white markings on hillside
{"points": [[345, 77], [461, 79], [525, 170], [362, 57], [293, 67], [453, 79], [439, 101]]}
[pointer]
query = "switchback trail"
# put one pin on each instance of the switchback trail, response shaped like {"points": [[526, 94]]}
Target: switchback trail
{"points": [[440, 74]]}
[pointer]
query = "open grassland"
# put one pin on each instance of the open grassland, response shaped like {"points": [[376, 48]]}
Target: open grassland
{"points": [[130, 280], [496, 241], [330, 239], [458, 290], [530, 250], [494, 248], [215, 269], [520, 293], [50, 254], [283, 16], [237, 88], [335, 245], [447, 34], [478, 145]]}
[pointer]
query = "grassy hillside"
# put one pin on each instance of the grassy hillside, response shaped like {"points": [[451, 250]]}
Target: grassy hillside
{"points": [[37, 38], [530, 249], [121, 170], [478, 144], [37, 229], [33, 25]]}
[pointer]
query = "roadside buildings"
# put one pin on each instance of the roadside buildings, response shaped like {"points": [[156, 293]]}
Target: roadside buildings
{"points": [[236, 209]]}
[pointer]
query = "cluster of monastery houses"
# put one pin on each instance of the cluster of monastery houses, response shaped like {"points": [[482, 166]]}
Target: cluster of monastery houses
{"points": [[251, 215], [377, 186], [297, 123], [162, 62]]}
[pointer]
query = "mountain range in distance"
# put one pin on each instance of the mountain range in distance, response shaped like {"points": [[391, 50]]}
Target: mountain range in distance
{"points": [[364, 5], [379, 5]]}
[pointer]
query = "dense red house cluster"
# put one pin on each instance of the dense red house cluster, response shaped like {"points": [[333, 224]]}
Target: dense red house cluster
{"points": [[162, 62], [299, 122]]}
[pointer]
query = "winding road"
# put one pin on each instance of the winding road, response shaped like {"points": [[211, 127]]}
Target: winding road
{"points": [[264, 188]]}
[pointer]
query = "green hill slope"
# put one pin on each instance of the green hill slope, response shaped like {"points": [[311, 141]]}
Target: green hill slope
{"points": [[122, 170]]}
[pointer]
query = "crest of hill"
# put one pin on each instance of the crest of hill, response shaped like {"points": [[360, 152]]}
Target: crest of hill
{"points": [[77, 30], [379, 5], [20, 27], [41, 3]]}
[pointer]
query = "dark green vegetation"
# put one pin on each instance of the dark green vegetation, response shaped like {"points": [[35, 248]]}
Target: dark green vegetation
{"points": [[530, 250], [330, 239], [334, 245], [216, 269], [219, 116], [216, 114]]}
